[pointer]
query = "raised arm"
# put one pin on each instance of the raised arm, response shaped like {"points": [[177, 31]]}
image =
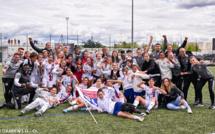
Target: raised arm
{"points": [[150, 43], [165, 43], [34, 47]]}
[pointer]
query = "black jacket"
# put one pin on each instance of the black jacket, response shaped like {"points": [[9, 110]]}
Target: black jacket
{"points": [[172, 95], [38, 50], [150, 67]]}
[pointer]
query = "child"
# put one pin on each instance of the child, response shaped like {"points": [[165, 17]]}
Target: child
{"points": [[47, 100]]}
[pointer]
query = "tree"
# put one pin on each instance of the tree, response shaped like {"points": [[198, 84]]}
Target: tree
{"points": [[92, 44], [191, 46]]}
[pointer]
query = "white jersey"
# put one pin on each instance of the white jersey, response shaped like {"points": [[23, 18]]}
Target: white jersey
{"points": [[82, 86], [88, 73], [48, 70], [115, 95], [106, 104], [34, 72], [126, 84], [68, 80], [151, 92], [63, 95], [55, 72]]}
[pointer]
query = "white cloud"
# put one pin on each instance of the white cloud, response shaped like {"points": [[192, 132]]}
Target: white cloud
{"points": [[175, 18]]}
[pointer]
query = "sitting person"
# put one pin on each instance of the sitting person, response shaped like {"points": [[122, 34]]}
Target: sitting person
{"points": [[47, 100]]}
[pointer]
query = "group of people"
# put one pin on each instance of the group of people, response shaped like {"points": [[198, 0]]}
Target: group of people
{"points": [[10, 41], [122, 82]]}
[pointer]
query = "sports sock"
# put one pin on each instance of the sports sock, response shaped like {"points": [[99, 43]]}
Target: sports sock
{"points": [[72, 108], [151, 105], [136, 117], [136, 102]]}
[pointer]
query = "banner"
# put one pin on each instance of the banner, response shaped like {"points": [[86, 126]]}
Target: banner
{"points": [[89, 96]]}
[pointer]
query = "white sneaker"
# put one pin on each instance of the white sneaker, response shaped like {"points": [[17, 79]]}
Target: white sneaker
{"points": [[143, 114], [72, 103], [141, 118], [189, 110], [182, 107]]}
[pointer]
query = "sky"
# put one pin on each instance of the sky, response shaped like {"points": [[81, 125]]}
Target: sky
{"points": [[108, 20]]}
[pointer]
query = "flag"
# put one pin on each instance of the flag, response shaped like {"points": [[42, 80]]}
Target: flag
{"points": [[89, 96]]}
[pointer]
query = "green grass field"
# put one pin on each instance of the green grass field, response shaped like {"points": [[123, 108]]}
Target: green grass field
{"points": [[159, 121]]}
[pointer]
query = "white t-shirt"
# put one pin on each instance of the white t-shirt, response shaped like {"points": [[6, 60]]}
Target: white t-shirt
{"points": [[63, 95], [106, 104], [48, 70], [68, 80], [151, 92], [88, 73]]}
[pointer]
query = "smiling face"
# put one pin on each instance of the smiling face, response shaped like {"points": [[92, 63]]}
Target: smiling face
{"points": [[146, 57], [193, 61], [101, 95], [162, 55], [166, 82], [51, 58], [70, 59], [182, 52], [169, 48], [45, 54], [33, 59], [151, 83], [157, 47], [85, 81], [16, 58], [139, 53], [26, 69], [53, 91], [48, 46], [98, 82], [63, 64], [109, 83], [68, 89], [68, 71], [114, 54]]}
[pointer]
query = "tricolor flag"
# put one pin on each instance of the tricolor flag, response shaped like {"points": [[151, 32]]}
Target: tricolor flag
{"points": [[89, 96]]}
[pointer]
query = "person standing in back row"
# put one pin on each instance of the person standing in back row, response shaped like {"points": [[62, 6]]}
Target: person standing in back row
{"points": [[205, 76], [38, 50]]}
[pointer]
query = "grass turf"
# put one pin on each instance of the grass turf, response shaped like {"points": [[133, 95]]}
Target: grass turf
{"points": [[159, 121]]}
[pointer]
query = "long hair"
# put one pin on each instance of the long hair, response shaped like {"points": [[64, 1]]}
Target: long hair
{"points": [[168, 88], [117, 58], [107, 60], [81, 61]]}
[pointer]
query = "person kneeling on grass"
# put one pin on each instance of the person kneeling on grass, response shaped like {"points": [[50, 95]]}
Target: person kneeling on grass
{"points": [[106, 104], [151, 95], [174, 96], [47, 100]]}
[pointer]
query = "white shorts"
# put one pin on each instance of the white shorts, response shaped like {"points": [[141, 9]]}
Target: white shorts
{"points": [[147, 105], [46, 83]]}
